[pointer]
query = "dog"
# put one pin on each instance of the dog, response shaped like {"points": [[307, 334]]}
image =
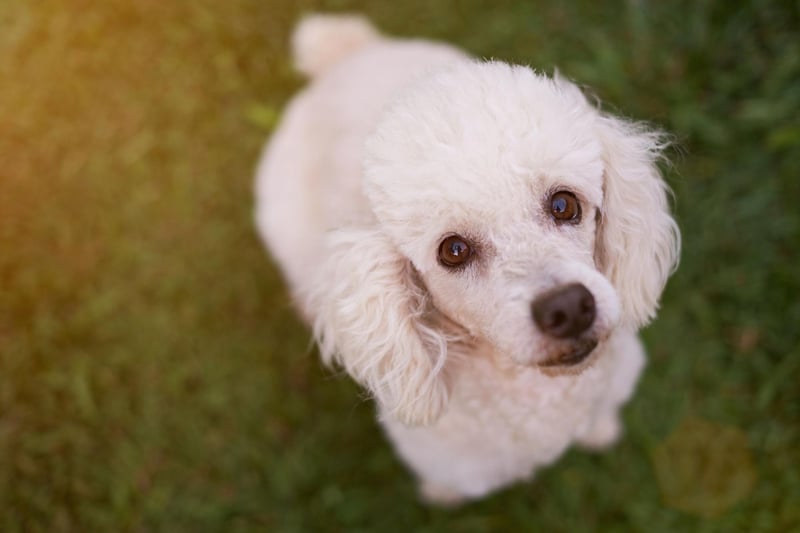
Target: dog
{"points": [[475, 243]]}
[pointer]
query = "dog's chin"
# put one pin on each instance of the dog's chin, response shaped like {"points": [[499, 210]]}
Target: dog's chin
{"points": [[571, 358]]}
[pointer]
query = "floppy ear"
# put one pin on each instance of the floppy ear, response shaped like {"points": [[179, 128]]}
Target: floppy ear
{"points": [[638, 242], [370, 318]]}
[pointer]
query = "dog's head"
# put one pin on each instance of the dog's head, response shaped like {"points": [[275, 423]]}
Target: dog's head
{"points": [[510, 205]]}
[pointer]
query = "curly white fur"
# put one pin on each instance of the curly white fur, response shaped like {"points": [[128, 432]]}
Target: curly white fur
{"points": [[396, 144], [370, 319]]}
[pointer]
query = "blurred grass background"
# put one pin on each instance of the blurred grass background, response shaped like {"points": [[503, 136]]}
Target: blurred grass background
{"points": [[154, 378]]}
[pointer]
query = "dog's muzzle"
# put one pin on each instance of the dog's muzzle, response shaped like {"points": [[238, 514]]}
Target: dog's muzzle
{"points": [[566, 313]]}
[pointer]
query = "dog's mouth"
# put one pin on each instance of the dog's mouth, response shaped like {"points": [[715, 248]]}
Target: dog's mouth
{"points": [[577, 353]]}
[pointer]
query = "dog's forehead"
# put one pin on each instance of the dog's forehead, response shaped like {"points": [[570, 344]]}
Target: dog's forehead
{"points": [[482, 138]]}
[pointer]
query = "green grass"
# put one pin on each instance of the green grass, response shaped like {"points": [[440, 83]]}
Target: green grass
{"points": [[154, 378]]}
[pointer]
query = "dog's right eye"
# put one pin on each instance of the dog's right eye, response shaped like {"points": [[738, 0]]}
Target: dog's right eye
{"points": [[454, 251]]}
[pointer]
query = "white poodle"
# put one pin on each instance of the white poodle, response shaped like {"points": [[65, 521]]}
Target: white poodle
{"points": [[474, 242]]}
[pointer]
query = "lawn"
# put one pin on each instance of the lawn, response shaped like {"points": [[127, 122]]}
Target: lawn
{"points": [[153, 376]]}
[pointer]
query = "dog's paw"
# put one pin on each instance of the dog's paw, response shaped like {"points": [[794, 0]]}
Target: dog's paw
{"points": [[603, 433], [440, 495]]}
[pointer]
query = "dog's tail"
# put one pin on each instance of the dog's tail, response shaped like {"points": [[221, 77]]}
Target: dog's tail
{"points": [[321, 41]]}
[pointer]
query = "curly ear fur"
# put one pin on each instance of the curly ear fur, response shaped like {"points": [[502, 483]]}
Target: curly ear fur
{"points": [[638, 242], [370, 318]]}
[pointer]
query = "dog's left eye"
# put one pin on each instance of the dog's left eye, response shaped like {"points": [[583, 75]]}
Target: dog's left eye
{"points": [[564, 207], [454, 251]]}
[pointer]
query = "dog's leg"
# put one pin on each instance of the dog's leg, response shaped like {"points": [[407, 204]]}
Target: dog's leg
{"points": [[603, 433], [628, 360], [440, 495]]}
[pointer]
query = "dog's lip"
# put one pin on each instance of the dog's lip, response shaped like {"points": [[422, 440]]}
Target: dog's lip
{"points": [[578, 354]]}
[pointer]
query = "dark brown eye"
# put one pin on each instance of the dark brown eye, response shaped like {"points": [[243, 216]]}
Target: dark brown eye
{"points": [[454, 251], [564, 207]]}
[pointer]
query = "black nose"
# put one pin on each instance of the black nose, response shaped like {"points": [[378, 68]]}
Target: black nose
{"points": [[565, 312]]}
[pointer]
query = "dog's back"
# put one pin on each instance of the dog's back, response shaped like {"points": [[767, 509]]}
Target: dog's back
{"points": [[309, 178]]}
